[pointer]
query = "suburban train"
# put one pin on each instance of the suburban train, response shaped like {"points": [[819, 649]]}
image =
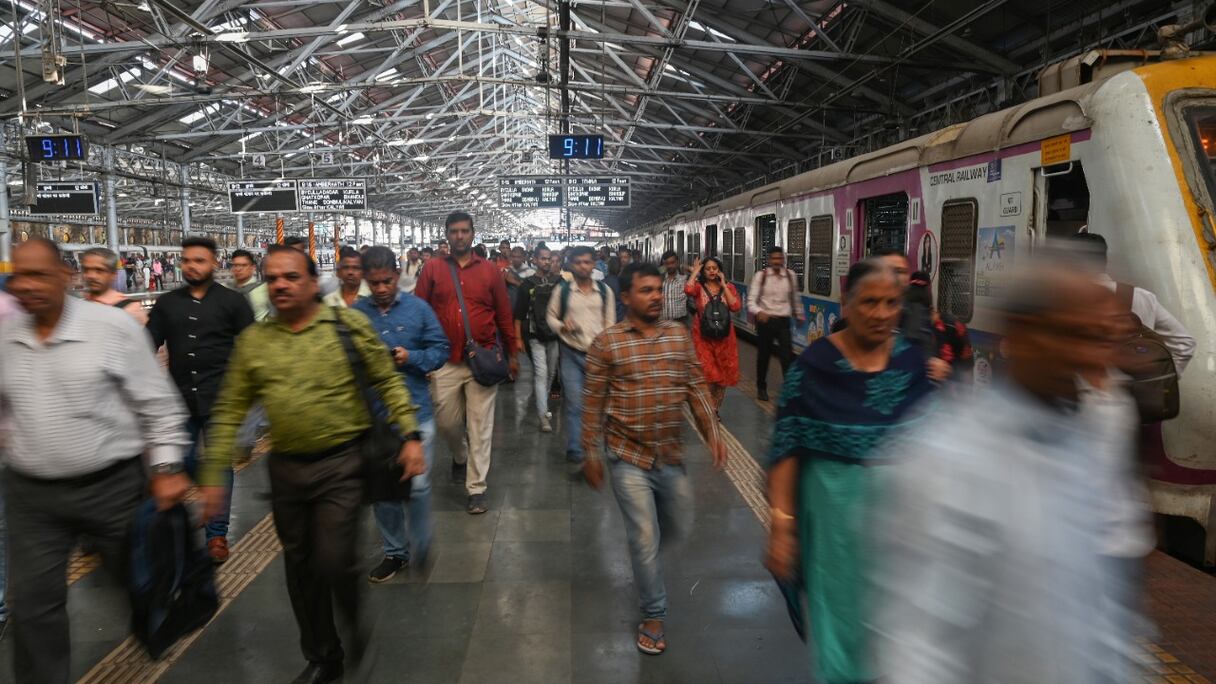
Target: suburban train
{"points": [[1129, 150]]}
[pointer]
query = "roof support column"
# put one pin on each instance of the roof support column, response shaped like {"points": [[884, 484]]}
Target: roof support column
{"points": [[6, 224], [112, 239], [240, 231], [184, 176], [563, 17]]}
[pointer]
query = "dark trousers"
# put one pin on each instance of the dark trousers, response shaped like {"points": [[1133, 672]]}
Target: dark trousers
{"points": [[45, 518], [775, 330], [318, 506]]}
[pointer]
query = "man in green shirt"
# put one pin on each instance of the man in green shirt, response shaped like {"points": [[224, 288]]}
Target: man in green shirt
{"points": [[294, 365]]}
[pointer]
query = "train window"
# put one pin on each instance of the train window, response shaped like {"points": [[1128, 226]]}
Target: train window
{"points": [[886, 220], [679, 247], [1067, 200], [795, 248], [1203, 124], [766, 238], [738, 263], [820, 268], [956, 276], [711, 240]]}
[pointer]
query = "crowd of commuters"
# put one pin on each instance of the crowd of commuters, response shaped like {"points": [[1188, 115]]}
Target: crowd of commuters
{"points": [[898, 493]]}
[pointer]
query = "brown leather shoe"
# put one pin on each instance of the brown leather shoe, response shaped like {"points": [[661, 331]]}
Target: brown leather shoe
{"points": [[217, 548]]}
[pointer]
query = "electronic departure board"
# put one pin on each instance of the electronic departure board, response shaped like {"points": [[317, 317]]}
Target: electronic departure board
{"points": [[598, 192], [530, 192], [263, 196], [333, 194], [65, 198], [576, 147], [43, 148]]}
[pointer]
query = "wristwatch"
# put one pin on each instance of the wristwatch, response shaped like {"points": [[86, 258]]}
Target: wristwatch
{"points": [[168, 468], [414, 436]]}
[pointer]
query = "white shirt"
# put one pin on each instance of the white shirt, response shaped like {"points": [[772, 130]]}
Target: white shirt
{"points": [[590, 313], [409, 275], [1113, 420], [991, 533], [88, 397], [1155, 317], [335, 298], [776, 298]]}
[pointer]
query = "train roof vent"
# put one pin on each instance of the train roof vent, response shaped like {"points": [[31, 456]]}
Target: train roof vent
{"points": [[1096, 65]]}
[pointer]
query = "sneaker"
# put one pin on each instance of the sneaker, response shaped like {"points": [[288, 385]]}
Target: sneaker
{"points": [[762, 394], [217, 548], [459, 473], [546, 424], [388, 569], [477, 504], [574, 457]]}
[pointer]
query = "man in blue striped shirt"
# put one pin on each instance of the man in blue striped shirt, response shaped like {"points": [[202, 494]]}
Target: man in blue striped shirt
{"points": [[411, 331]]}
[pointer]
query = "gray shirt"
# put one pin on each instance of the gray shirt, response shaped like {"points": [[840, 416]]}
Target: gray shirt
{"points": [[993, 532], [89, 396]]}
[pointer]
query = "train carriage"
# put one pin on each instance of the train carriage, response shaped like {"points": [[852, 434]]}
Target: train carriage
{"points": [[1131, 155]]}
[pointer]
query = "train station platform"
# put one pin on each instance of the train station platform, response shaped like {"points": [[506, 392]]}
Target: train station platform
{"points": [[539, 590]]}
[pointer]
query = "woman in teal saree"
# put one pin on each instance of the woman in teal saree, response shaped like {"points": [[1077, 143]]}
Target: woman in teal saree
{"points": [[840, 399]]}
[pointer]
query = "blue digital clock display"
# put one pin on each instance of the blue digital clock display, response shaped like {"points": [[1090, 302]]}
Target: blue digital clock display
{"points": [[576, 147], [56, 147]]}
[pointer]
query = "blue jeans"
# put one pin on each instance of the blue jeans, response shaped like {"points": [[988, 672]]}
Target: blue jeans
{"points": [[217, 526], [255, 420], [657, 506], [390, 515], [544, 367], [574, 373]]}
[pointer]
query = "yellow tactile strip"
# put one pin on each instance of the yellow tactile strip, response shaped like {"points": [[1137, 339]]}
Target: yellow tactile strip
{"points": [[129, 663], [81, 563], [1158, 665]]}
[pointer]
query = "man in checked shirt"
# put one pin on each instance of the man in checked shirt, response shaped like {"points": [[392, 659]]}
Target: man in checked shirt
{"points": [[640, 373]]}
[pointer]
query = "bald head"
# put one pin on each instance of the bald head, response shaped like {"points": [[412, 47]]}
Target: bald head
{"points": [[40, 279]]}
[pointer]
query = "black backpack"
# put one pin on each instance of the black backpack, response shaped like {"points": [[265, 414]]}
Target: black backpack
{"points": [[715, 320], [539, 327]]}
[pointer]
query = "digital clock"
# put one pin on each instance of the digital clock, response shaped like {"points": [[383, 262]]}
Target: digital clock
{"points": [[56, 147], [576, 147]]}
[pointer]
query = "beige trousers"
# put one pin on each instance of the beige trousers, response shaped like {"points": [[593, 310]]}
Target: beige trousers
{"points": [[464, 415]]}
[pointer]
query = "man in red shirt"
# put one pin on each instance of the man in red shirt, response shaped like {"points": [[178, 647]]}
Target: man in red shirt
{"points": [[462, 406]]}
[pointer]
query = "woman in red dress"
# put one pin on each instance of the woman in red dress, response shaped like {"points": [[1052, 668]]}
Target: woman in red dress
{"points": [[719, 357]]}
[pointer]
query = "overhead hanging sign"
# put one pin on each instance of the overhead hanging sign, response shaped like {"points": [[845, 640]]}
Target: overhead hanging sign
{"points": [[555, 192], [65, 198], [599, 192], [263, 196], [337, 194], [530, 192]]}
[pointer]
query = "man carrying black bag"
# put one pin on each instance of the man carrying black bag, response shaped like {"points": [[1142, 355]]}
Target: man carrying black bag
{"points": [[296, 366]]}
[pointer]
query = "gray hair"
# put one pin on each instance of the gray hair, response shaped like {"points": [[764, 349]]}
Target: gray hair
{"points": [[866, 269], [108, 257]]}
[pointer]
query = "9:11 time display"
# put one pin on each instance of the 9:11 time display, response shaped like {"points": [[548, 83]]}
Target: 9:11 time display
{"points": [[56, 147], [576, 147]]}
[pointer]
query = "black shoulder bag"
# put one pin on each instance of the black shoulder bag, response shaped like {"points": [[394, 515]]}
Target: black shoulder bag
{"points": [[489, 365], [381, 445]]}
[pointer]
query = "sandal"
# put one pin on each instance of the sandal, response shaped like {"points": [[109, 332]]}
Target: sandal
{"points": [[657, 638]]}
